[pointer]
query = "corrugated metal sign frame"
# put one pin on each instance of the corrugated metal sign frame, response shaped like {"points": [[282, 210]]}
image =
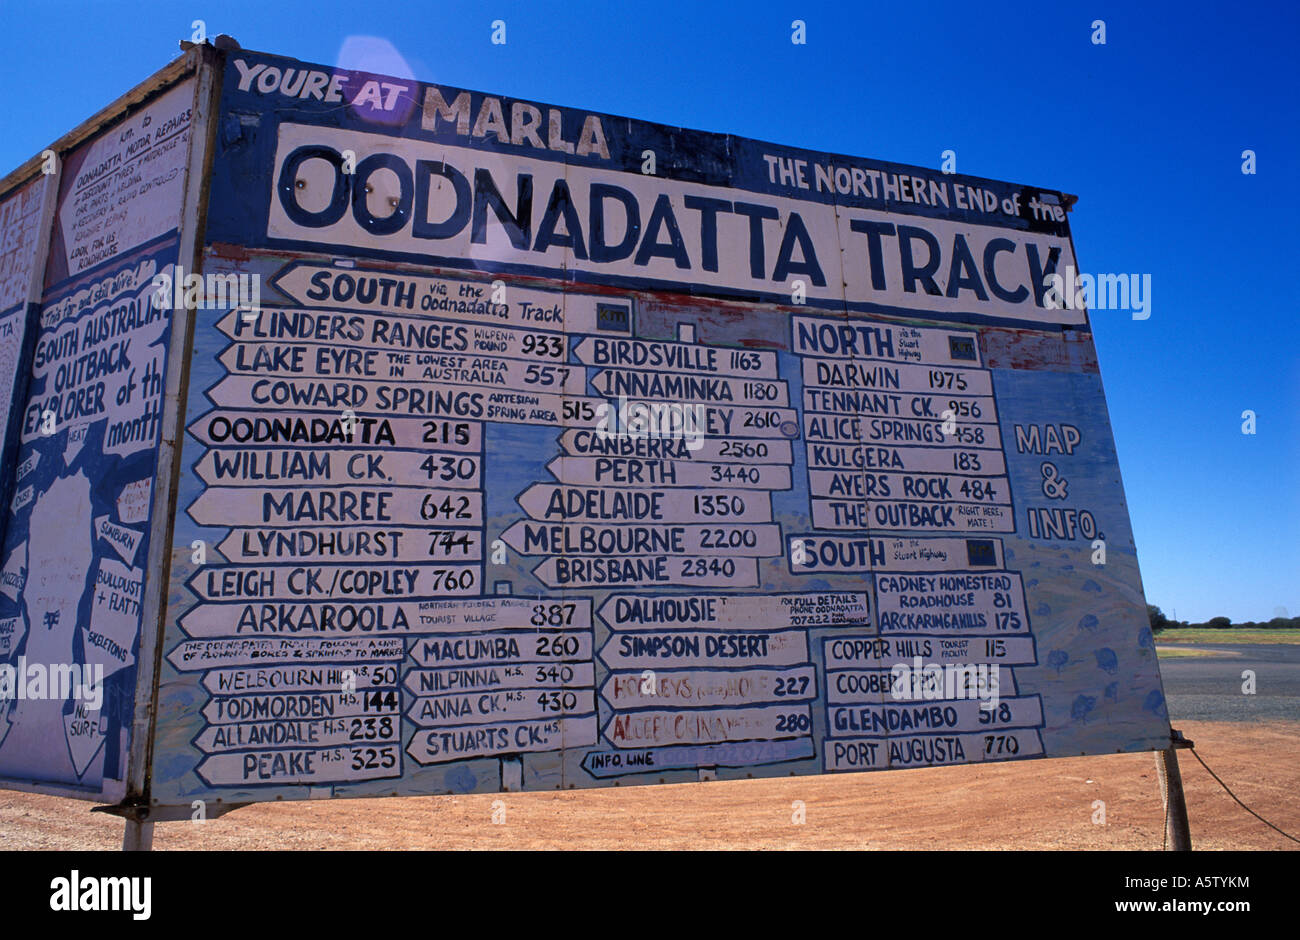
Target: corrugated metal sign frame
{"points": [[207, 92]]}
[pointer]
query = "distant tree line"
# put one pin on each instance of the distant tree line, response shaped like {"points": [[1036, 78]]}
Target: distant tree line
{"points": [[1160, 622]]}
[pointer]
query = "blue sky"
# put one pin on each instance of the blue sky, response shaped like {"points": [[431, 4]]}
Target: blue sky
{"points": [[1148, 129]]}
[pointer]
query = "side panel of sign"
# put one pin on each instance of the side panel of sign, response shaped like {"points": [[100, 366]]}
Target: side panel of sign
{"points": [[22, 216], [75, 547]]}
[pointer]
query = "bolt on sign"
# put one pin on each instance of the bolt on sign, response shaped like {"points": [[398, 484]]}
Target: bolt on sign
{"points": [[408, 439]]}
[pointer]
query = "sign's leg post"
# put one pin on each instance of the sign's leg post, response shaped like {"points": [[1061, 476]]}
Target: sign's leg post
{"points": [[1178, 834], [138, 836]]}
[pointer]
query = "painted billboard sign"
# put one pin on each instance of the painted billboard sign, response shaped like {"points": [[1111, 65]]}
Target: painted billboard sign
{"points": [[568, 450], [533, 448]]}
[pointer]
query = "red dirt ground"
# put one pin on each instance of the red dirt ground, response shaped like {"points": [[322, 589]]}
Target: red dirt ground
{"points": [[1039, 804]]}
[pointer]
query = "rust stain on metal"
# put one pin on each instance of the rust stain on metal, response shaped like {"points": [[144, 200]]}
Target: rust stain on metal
{"points": [[1007, 348], [227, 250]]}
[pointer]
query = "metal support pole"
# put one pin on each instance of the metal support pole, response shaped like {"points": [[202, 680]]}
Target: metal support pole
{"points": [[1178, 835], [138, 836]]}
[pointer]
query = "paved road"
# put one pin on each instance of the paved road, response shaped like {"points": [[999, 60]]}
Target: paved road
{"points": [[1209, 688]]}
